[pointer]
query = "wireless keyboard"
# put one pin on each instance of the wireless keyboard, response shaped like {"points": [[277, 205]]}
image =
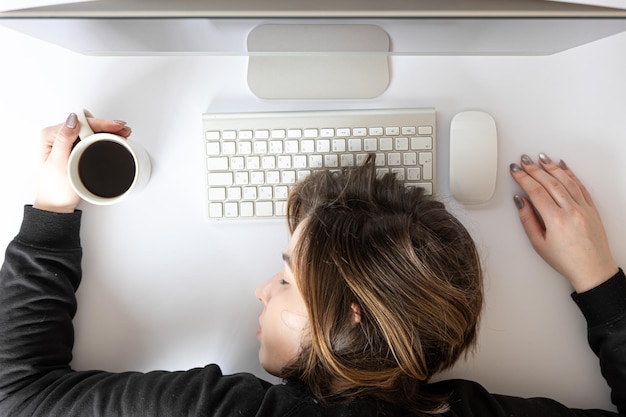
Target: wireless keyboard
{"points": [[252, 159]]}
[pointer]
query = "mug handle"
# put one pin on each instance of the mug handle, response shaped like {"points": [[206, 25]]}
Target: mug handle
{"points": [[85, 129]]}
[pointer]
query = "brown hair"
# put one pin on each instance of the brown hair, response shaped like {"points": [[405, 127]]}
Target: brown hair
{"points": [[410, 267]]}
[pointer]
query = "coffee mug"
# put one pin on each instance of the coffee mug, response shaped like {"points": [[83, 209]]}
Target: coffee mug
{"points": [[104, 168]]}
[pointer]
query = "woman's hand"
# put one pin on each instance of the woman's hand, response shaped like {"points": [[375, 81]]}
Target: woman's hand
{"points": [[562, 223], [55, 193]]}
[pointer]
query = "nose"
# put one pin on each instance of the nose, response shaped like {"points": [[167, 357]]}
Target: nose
{"points": [[263, 292]]}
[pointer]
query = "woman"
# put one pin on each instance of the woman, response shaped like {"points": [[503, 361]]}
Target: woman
{"points": [[381, 289]]}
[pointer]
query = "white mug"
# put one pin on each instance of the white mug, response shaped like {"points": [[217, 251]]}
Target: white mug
{"points": [[104, 168]]}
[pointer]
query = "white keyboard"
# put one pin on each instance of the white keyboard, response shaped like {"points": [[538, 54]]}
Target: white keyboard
{"points": [[252, 159]]}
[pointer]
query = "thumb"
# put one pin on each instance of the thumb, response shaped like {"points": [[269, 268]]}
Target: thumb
{"points": [[64, 140]]}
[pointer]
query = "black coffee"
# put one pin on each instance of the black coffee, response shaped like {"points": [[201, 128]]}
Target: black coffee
{"points": [[106, 169]]}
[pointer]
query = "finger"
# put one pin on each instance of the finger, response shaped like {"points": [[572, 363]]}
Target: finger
{"points": [[537, 193], [63, 139], [532, 224], [117, 127], [585, 193], [550, 184], [569, 183]]}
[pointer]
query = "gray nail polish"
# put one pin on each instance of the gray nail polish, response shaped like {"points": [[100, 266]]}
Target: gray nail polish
{"points": [[71, 120], [519, 202], [544, 158], [515, 168], [526, 160]]}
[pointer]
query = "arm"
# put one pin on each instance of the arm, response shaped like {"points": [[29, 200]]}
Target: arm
{"points": [[38, 280], [565, 229]]}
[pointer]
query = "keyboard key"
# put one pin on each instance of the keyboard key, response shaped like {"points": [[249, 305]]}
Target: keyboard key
{"points": [[220, 178], [343, 132], [266, 193], [212, 135], [413, 174], [294, 133], [246, 209], [307, 146], [327, 133], [410, 158], [213, 148], [278, 134], [425, 130], [421, 142], [355, 145], [281, 192], [231, 210], [347, 160], [217, 163], [408, 130], [228, 148], [262, 134], [236, 162], [323, 145], [339, 145], [249, 193], [310, 133], [215, 210], [234, 193], [264, 208], [385, 144], [426, 161], [376, 131], [242, 178], [229, 134], [217, 194], [392, 131], [245, 134], [370, 145], [402, 144], [331, 161], [284, 162]]}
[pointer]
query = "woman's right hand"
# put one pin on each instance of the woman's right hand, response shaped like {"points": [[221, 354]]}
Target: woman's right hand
{"points": [[55, 193], [562, 222]]}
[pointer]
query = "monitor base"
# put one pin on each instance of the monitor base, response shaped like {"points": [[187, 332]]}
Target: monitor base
{"points": [[311, 61]]}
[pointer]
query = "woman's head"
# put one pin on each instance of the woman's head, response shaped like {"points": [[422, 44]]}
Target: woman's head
{"points": [[391, 283]]}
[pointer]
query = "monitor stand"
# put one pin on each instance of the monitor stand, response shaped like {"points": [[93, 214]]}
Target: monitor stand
{"points": [[318, 61]]}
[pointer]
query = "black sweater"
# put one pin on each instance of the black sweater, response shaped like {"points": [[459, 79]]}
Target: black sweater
{"points": [[42, 271]]}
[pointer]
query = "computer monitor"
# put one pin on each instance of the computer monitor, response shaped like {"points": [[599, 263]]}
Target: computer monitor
{"points": [[322, 48]]}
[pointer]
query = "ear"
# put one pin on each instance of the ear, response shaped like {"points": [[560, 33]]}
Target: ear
{"points": [[356, 314]]}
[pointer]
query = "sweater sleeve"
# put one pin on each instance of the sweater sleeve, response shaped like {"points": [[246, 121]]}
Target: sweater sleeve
{"points": [[38, 279], [604, 308]]}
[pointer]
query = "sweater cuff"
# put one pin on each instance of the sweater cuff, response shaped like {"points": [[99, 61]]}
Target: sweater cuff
{"points": [[49, 230], [604, 303]]}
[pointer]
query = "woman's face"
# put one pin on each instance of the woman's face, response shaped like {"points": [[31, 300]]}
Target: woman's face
{"points": [[284, 320]]}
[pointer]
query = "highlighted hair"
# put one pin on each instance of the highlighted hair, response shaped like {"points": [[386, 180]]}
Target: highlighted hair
{"points": [[407, 263]]}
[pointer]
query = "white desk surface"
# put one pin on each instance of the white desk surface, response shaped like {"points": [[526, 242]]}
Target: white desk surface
{"points": [[165, 289]]}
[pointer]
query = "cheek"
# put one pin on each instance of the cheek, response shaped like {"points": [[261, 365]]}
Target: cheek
{"points": [[283, 334]]}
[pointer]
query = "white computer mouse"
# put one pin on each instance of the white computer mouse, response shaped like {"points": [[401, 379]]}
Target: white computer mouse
{"points": [[473, 157]]}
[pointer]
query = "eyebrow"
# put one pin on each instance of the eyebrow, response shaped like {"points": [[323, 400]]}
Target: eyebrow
{"points": [[287, 259]]}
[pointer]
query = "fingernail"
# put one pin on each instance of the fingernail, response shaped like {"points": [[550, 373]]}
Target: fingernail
{"points": [[526, 160], [71, 121], [563, 165], [127, 128], [120, 122], [519, 202], [544, 158], [515, 168]]}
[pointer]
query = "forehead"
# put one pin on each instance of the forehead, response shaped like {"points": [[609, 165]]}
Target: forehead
{"points": [[295, 239]]}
